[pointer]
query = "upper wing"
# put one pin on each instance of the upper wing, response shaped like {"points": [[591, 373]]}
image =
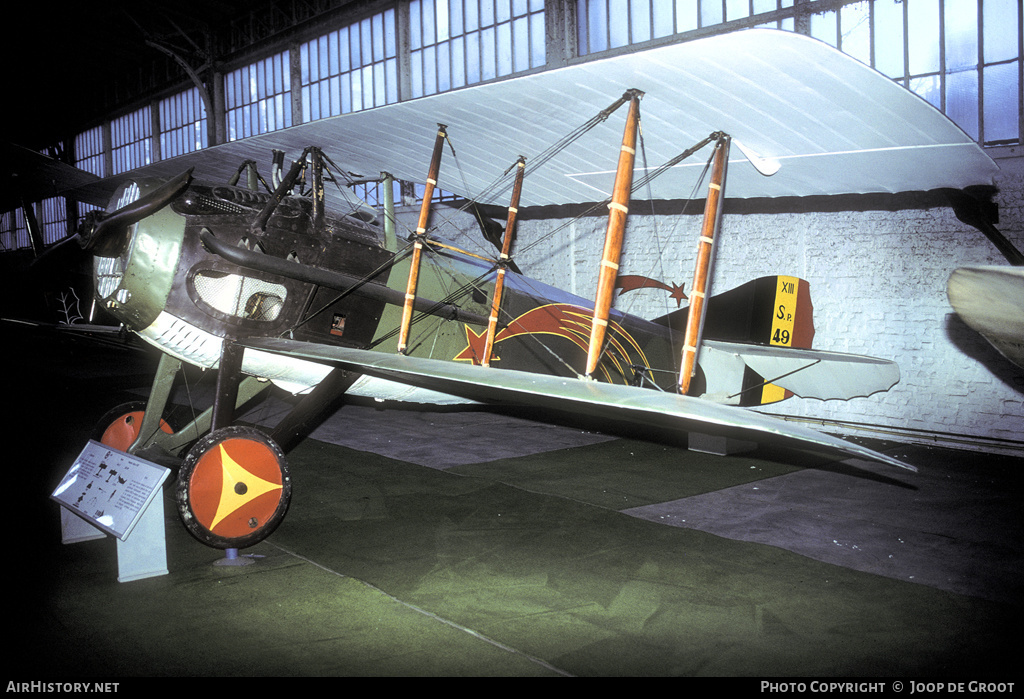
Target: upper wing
{"points": [[624, 403], [815, 373], [835, 125], [31, 176], [991, 301]]}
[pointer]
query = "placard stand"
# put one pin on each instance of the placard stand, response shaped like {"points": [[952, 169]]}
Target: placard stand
{"points": [[107, 491]]}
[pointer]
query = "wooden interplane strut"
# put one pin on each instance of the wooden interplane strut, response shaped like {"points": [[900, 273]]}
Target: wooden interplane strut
{"points": [[702, 270], [418, 239], [618, 211], [503, 259]]}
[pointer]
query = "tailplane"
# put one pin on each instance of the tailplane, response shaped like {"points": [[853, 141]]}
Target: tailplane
{"points": [[773, 311], [756, 349]]}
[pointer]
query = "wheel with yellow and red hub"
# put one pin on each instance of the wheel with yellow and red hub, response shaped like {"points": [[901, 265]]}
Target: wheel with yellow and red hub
{"points": [[233, 488], [120, 427]]}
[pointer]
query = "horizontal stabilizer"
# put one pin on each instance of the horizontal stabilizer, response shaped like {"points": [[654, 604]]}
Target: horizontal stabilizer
{"points": [[814, 373], [991, 301], [579, 396]]}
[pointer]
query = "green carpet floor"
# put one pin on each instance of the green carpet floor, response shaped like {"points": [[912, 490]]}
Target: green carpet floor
{"points": [[513, 568]]}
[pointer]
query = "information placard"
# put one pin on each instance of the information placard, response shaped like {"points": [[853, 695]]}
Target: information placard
{"points": [[109, 488]]}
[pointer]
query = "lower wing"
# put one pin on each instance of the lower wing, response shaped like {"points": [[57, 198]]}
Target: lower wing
{"points": [[579, 396]]}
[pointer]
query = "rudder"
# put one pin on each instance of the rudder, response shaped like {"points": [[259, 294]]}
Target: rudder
{"points": [[775, 310]]}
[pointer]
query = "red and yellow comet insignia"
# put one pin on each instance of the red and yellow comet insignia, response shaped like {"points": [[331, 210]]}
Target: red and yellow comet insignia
{"points": [[559, 319], [632, 282]]}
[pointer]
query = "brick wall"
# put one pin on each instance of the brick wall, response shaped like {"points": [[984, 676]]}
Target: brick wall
{"points": [[878, 282]]}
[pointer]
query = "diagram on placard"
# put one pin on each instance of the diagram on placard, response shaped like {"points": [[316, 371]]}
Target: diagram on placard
{"points": [[109, 487]]}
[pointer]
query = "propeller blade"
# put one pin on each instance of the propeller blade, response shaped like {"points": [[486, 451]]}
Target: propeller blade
{"points": [[106, 235], [61, 255]]}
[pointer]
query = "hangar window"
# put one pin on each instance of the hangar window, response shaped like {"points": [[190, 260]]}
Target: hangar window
{"points": [[13, 232], [460, 42], [373, 193], [89, 151], [258, 97], [963, 56], [964, 61], [350, 69], [182, 124], [129, 140], [52, 214]]}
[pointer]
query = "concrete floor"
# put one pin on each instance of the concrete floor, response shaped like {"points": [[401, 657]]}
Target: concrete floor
{"points": [[463, 543]]}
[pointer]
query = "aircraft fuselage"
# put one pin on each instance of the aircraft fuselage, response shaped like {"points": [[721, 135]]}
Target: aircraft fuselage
{"points": [[337, 283]]}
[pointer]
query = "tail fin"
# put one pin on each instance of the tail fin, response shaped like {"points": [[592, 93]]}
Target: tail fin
{"points": [[775, 311], [767, 311]]}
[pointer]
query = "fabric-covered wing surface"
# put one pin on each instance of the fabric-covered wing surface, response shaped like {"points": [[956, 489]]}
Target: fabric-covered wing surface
{"points": [[814, 373], [580, 396], [835, 125]]}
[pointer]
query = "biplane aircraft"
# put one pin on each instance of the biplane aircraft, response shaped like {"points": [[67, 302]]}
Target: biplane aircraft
{"points": [[273, 284]]}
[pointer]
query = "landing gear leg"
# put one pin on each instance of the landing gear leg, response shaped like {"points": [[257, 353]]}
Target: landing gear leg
{"points": [[233, 488], [133, 425]]}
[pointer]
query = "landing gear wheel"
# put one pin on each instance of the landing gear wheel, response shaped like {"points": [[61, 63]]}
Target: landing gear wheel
{"points": [[234, 488], [119, 428]]}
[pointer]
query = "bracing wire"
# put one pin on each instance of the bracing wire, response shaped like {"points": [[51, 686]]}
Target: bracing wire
{"points": [[398, 257], [643, 182], [504, 183]]}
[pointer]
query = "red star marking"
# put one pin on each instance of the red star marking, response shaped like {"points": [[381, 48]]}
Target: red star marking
{"points": [[677, 294], [474, 351], [631, 282]]}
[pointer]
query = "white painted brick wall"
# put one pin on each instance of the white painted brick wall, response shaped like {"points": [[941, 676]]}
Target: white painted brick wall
{"points": [[878, 283]]}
